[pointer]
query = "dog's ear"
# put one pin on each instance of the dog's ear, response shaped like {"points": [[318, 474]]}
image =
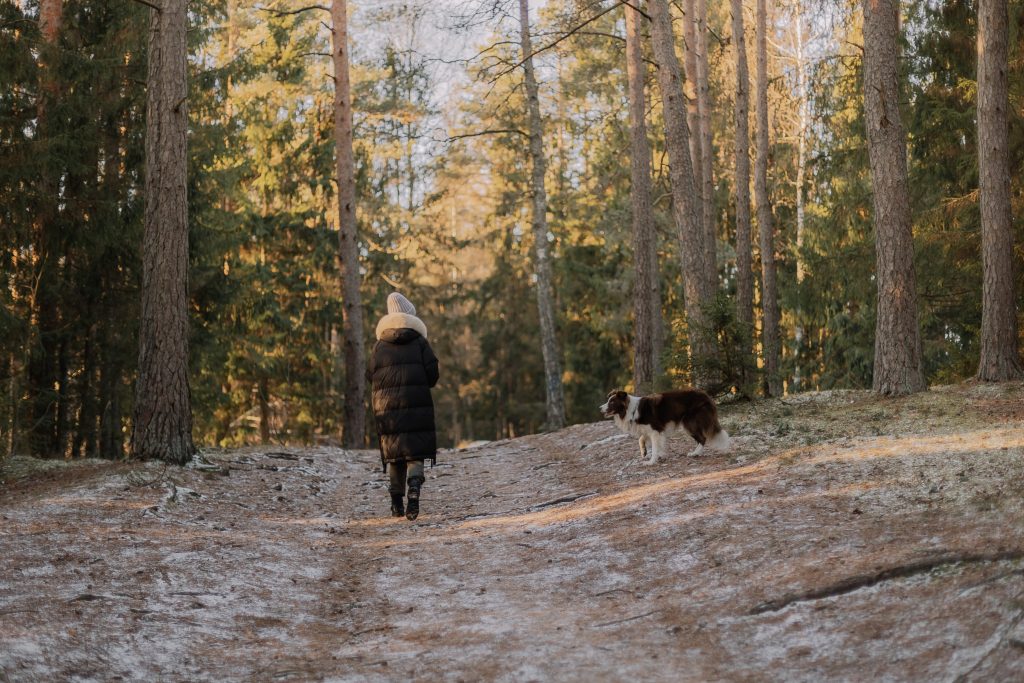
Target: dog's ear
{"points": [[612, 393], [621, 395]]}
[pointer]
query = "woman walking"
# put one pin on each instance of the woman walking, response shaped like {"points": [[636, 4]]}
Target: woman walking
{"points": [[403, 368]]}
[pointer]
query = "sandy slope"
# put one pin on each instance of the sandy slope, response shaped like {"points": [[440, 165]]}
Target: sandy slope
{"points": [[846, 538]]}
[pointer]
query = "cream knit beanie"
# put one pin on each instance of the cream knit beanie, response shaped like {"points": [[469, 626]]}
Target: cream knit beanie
{"points": [[399, 304]]}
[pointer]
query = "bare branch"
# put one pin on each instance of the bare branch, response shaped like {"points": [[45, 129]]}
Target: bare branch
{"points": [[494, 131], [284, 13], [553, 43], [149, 4]]}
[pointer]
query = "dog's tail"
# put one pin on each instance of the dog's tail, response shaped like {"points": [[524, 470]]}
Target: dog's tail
{"points": [[721, 441], [714, 436]]}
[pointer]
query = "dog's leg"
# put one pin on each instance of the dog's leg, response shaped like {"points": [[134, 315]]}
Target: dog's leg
{"points": [[643, 446], [657, 448]]}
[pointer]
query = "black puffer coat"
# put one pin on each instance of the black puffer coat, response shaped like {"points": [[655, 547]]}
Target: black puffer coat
{"points": [[403, 368]]}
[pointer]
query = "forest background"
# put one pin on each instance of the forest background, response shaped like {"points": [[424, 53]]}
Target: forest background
{"points": [[443, 201]]}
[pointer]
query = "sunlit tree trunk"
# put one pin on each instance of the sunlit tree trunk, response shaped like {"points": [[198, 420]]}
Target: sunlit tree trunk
{"points": [[354, 412], [162, 416], [1000, 358], [686, 206], [744, 257], [706, 150], [801, 165], [690, 89], [646, 292], [555, 398], [897, 367], [766, 228]]}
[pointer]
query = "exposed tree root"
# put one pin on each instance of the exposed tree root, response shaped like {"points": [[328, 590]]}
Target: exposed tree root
{"points": [[856, 582], [563, 499]]}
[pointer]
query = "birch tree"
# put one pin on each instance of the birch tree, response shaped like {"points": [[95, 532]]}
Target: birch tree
{"points": [[555, 399]]}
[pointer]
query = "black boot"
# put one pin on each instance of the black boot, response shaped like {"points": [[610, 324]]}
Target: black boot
{"points": [[412, 509], [397, 510]]}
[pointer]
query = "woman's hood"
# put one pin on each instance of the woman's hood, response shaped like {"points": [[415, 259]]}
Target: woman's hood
{"points": [[400, 321]]}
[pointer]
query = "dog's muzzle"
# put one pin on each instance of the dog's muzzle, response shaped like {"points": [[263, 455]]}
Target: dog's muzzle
{"points": [[604, 410]]}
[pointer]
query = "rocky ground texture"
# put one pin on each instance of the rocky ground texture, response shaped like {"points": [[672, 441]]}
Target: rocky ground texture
{"points": [[846, 537]]}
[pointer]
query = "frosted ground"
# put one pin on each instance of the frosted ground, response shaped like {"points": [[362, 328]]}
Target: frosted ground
{"points": [[847, 537]]}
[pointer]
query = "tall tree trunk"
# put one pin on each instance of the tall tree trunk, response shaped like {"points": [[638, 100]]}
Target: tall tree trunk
{"points": [[897, 337], [801, 165], [690, 89], [744, 257], [542, 256], [1000, 358], [686, 208], [646, 292], [354, 413], [43, 373], [162, 416], [263, 394], [766, 229], [706, 149]]}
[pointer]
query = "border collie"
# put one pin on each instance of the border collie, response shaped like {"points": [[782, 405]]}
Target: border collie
{"points": [[652, 418]]}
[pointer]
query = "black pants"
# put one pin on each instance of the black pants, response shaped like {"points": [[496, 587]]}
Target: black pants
{"points": [[400, 472]]}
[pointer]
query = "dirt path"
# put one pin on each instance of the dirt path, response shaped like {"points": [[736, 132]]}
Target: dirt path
{"points": [[824, 547]]}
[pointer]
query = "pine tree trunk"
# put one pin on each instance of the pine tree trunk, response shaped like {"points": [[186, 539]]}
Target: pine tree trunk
{"points": [[42, 364], [263, 394], [646, 291], [542, 257], [1000, 358], [690, 89], [766, 229], [744, 257], [801, 165], [706, 149], [686, 207], [354, 413], [162, 416], [897, 367]]}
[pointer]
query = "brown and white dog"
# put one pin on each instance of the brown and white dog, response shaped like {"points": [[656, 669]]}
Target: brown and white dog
{"points": [[652, 418]]}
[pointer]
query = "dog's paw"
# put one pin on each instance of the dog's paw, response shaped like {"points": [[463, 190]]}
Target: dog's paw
{"points": [[699, 450], [652, 461]]}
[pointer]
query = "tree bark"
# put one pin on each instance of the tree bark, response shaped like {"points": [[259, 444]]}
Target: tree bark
{"points": [[686, 208], [162, 416], [897, 368], [766, 229], [706, 149], [354, 413], [801, 165], [646, 291], [43, 373], [690, 89], [555, 398], [1000, 358], [744, 257]]}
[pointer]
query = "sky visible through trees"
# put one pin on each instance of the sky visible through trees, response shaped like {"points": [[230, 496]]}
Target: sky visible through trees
{"points": [[445, 210]]}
